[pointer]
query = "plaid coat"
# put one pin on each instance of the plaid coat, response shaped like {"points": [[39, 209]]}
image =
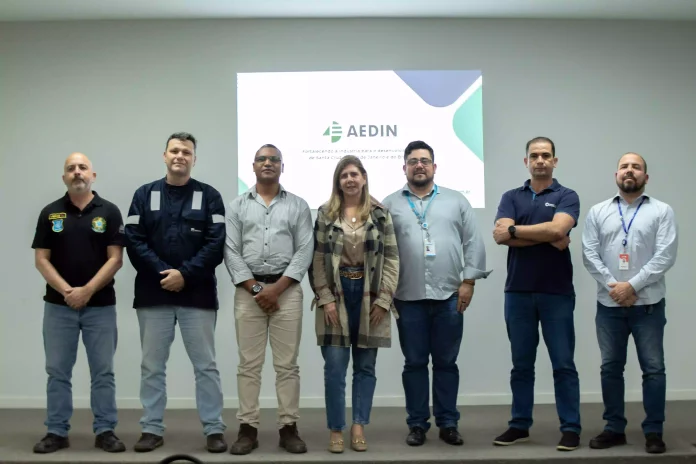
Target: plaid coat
{"points": [[381, 277]]}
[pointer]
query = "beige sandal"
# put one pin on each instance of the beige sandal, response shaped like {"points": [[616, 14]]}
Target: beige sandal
{"points": [[336, 446], [358, 444]]}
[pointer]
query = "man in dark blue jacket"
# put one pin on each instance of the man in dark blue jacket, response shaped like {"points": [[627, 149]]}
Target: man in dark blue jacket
{"points": [[175, 235]]}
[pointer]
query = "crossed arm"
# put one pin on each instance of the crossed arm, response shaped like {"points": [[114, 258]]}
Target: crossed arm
{"points": [[554, 232]]}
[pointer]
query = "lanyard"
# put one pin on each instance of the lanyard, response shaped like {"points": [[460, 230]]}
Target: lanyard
{"points": [[623, 224], [421, 219]]}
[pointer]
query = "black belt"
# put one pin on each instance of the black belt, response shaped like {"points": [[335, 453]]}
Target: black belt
{"points": [[268, 278]]}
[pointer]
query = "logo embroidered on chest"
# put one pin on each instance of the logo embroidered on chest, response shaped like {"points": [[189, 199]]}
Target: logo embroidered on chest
{"points": [[57, 221], [99, 225], [551, 205]]}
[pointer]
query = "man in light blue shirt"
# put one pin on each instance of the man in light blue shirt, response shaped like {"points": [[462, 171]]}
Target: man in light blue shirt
{"points": [[441, 254], [629, 243]]}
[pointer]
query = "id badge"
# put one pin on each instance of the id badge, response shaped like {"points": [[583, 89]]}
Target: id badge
{"points": [[624, 261], [429, 248]]}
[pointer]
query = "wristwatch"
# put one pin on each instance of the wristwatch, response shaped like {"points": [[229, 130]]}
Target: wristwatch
{"points": [[512, 231], [256, 289]]}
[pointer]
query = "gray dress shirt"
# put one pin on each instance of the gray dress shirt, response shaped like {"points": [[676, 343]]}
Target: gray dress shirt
{"points": [[651, 246], [268, 240], [453, 230]]}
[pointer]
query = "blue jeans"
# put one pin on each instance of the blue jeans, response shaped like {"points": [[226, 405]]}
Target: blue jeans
{"points": [[197, 328], [523, 313], [336, 364], [61, 333], [647, 324], [430, 328]]}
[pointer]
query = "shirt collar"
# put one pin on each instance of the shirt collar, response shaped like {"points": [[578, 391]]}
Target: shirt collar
{"points": [[618, 195], [554, 187], [252, 192], [96, 201], [406, 191]]}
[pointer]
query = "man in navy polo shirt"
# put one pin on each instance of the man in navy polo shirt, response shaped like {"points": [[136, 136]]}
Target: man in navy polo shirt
{"points": [[534, 221]]}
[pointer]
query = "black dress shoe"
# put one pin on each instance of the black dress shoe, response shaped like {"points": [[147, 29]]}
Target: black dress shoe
{"points": [[654, 443], [416, 437], [51, 443], [215, 443], [451, 436], [109, 442], [148, 442], [608, 439]]}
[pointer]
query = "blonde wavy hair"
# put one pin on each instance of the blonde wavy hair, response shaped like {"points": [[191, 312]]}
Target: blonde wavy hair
{"points": [[334, 207]]}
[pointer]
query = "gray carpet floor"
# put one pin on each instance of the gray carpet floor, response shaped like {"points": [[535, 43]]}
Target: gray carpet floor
{"points": [[21, 428]]}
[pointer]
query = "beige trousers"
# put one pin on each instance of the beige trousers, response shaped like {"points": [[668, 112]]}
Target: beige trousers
{"points": [[284, 328]]}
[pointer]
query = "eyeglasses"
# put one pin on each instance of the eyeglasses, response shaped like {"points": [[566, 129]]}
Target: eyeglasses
{"points": [[423, 161], [273, 159]]}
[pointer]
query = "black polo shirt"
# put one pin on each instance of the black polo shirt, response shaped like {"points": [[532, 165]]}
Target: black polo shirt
{"points": [[78, 241], [540, 268]]}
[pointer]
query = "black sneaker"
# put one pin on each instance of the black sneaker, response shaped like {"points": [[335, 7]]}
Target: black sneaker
{"points": [[148, 442], [654, 443], [512, 436], [51, 443], [569, 441], [608, 439], [109, 442]]}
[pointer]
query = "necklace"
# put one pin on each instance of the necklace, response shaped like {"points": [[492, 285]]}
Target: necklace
{"points": [[353, 220]]}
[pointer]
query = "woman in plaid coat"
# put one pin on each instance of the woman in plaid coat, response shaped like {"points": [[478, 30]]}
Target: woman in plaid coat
{"points": [[354, 275]]}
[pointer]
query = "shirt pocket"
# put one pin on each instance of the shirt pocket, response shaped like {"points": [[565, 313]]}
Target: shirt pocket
{"points": [[194, 225]]}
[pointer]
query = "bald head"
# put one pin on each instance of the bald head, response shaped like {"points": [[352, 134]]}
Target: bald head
{"points": [[631, 157], [78, 175], [77, 158]]}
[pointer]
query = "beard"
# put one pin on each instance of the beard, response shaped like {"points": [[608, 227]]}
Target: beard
{"points": [[630, 188], [420, 182], [79, 186]]}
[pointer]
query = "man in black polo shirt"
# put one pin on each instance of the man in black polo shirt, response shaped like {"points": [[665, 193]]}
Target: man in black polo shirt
{"points": [[78, 249], [534, 221]]}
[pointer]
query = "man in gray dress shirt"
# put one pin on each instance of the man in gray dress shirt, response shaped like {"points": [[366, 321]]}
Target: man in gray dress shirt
{"points": [[435, 227], [629, 243], [268, 251]]}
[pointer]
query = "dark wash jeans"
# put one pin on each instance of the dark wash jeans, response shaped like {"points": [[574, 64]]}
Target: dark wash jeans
{"points": [[523, 314], [430, 328], [647, 325]]}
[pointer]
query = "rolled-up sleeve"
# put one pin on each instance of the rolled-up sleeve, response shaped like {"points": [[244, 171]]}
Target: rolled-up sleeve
{"points": [[304, 244], [234, 263]]}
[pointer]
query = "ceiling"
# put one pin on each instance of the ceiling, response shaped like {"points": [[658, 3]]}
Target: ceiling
{"points": [[43, 10]]}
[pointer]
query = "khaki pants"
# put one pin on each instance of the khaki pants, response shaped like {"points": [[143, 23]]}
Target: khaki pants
{"points": [[253, 327]]}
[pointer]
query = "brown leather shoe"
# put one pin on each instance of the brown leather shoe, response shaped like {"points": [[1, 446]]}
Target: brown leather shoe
{"points": [[290, 440], [247, 440]]}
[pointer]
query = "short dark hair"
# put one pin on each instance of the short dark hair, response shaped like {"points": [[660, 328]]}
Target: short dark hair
{"points": [[541, 139], [645, 163], [268, 145], [184, 137], [418, 145]]}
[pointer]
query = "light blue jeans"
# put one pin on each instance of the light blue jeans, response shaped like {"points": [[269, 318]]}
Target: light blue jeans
{"points": [[157, 329], [61, 333], [336, 360]]}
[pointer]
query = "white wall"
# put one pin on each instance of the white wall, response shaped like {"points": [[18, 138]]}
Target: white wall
{"points": [[116, 90]]}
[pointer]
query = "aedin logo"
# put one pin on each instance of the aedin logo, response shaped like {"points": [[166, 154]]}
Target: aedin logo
{"points": [[335, 131]]}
